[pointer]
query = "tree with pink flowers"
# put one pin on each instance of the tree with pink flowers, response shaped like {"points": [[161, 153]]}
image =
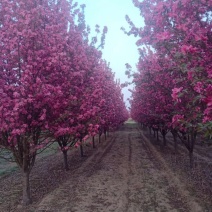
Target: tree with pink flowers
{"points": [[113, 111], [50, 81], [32, 63], [180, 32]]}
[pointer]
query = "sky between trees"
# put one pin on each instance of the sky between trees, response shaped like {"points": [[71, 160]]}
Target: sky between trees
{"points": [[119, 48]]}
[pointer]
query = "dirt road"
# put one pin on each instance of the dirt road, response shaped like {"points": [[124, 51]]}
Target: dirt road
{"points": [[125, 174]]}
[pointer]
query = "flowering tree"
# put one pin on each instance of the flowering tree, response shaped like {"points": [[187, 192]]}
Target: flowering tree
{"points": [[78, 120], [113, 112], [50, 80], [33, 66], [181, 31]]}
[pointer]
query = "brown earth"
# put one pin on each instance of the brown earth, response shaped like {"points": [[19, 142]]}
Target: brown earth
{"points": [[126, 173]]}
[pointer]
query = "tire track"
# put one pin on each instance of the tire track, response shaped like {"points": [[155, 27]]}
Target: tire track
{"points": [[88, 168], [173, 180], [124, 175]]}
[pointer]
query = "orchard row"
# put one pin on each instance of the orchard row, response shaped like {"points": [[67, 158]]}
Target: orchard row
{"points": [[173, 84], [54, 84]]}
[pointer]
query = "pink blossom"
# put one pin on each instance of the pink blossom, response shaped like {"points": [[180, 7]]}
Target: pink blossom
{"points": [[176, 119], [163, 36], [198, 87], [175, 93], [188, 49], [16, 94], [190, 75], [85, 138]]}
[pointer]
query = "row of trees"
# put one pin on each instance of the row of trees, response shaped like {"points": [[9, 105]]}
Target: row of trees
{"points": [[54, 85], [173, 84]]}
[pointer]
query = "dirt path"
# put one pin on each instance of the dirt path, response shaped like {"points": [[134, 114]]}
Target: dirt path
{"points": [[125, 174]]}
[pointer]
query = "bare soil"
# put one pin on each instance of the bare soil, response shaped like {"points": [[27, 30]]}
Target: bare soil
{"points": [[125, 173]]}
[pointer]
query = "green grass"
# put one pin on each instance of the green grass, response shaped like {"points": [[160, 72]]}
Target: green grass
{"points": [[8, 170], [130, 121], [48, 151], [7, 167]]}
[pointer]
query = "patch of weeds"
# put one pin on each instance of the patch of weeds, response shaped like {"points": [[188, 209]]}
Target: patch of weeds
{"points": [[8, 170], [7, 167]]}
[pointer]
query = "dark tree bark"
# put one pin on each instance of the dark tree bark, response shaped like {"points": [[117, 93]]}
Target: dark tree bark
{"points": [[93, 142], [26, 188], [65, 157], [189, 143], [157, 135], [63, 143], [105, 133], [99, 138], [174, 133], [25, 161], [163, 132], [192, 140], [81, 150], [191, 157]]}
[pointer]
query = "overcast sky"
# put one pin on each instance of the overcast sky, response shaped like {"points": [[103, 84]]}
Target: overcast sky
{"points": [[119, 48]]}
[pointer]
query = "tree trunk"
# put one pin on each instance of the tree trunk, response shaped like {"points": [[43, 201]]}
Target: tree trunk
{"points": [[164, 140], [174, 133], [175, 142], [191, 156], [150, 132], [65, 157], [26, 188], [105, 136], [157, 135], [192, 140], [99, 138], [93, 142], [164, 137], [81, 150], [154, 133]]}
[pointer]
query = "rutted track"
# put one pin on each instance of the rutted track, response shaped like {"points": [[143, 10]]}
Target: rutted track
{"points": [[126, 175]]}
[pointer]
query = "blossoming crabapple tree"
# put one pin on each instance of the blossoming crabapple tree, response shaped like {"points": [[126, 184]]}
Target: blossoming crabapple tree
{"points": [[113, 112], [33, 68], [152, 101], [50, 80], [181, 31]]}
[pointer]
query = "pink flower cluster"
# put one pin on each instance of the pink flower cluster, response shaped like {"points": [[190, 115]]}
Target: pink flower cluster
{"points": [[175, 94], [174, 71]]}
